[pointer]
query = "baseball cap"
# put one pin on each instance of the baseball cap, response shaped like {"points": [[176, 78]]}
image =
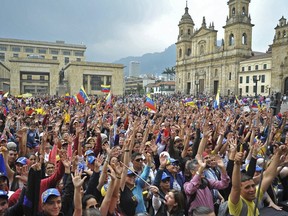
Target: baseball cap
{"points": [[91, 159], [50, 192], [258, 168], [3, 194], [11, 146], [22, 160], [131, 171], [88, 152], [177, 138], [172, 160], [164, 176]]}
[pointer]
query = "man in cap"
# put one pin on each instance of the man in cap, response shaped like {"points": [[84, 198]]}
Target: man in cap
{"points": [[51, 202]]}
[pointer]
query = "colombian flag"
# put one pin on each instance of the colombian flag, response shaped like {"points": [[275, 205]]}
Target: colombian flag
{"points": [[82, 96], [105, 88]]}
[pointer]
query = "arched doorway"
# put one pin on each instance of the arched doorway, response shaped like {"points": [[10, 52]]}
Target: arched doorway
{"points": [[286, 86]]}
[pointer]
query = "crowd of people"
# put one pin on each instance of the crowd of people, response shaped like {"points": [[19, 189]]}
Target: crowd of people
{"points": [[123, 159]]}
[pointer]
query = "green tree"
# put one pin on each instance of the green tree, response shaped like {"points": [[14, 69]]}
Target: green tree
{"points": [[169, 72]]}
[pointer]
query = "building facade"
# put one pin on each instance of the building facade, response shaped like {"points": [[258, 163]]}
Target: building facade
{"points": [[134, 69], [43, 67], [203, 66]]}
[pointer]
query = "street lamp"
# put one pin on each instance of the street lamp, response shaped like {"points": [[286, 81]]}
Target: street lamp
{"points": [[197, 84], [255, 80]]}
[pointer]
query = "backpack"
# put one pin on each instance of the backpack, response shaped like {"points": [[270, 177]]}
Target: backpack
{"points": [[224, 210]]}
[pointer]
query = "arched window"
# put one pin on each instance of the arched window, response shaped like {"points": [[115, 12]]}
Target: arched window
{"points": [[188, 52], [279, 35], [181, 32], [201, 52], [243, 11], [231, 40], [284, 34], [189, 31], [180, 53], [244, 39], [233, 11]]}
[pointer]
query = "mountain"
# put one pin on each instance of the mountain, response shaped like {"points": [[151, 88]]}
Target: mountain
{"points": [[152, 63]]}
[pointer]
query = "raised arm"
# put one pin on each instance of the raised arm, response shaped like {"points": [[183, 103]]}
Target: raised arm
{"points": [[77, 182]]}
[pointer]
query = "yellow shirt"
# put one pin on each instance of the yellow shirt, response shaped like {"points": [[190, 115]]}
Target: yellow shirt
{"points": [[236, 209]]}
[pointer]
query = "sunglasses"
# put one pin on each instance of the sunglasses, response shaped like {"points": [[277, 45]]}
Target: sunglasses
{"points": [[139, 159]]}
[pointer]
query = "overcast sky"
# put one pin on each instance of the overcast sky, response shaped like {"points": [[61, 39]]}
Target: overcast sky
{"points": [[113, 29]]}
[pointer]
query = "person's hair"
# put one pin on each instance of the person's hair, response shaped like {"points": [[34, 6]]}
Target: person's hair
{"points": [[134, 155], [91, 212], [179, 199], [192, 165], [48, 162], [85, 198], [245, 177], [202, 211]]}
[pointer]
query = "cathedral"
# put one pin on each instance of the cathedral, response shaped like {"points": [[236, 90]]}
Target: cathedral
{"points": [[230, 67]]}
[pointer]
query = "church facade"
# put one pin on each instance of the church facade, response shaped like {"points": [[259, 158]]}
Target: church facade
{"points": [[203, 66]]}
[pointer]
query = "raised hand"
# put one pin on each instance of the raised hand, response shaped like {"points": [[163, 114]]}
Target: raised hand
{"points": [[76, 179], [163, 161]]}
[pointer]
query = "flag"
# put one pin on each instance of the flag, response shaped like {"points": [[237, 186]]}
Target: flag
{"points": [[238, 102], [67, 117], [6, 94], [190, 102], [82, 96], [109, 99], [73, 100], [255, 106], [2, 164], [149, 103], [105, 88], [217, 100], [67, 97]]}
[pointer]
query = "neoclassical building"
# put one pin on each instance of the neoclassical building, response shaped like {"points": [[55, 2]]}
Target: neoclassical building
{"points": [[203, 66], [39, 67]]}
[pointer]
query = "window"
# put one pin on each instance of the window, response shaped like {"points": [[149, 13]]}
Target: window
{"points": [[66, 52], [2, 56], [66, 60], [247, 79], [240, 91], [263, 78], [230, 75], [202, 49], [79, 53], [78, 59], [181, 32], [3, 48], [189, 31], [42, 51], [231, 40], [233, 11], [256, 67], [108, 80], [96, 81], [241, 80], [29, 50], [244, 39], [54, 52], [54, 57], [247, 89], [249, 68], [189, 52], [16, 49], [243, 68], [29, 77], [42, 77], [262, 88], [180, 53], [284, 34], [243, 11], [265, 66], [15, 55]]}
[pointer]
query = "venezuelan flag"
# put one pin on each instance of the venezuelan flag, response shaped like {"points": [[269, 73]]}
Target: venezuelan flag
{"points": [[109, 99], [217, 100], [67, 97], [149, 103], [82, 96], [255, 106], [105, 88]]}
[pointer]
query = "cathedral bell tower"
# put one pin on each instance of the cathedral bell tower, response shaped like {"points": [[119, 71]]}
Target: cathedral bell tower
{"points": [[186, 29], [238, 28]]}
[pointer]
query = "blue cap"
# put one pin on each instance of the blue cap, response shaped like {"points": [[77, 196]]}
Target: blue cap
{"points": [[22, 160], [91, 159], [172, 160], [3, 194], [50, 192], [129, 172], [164, 176], [88, 152], [258, 168]]}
